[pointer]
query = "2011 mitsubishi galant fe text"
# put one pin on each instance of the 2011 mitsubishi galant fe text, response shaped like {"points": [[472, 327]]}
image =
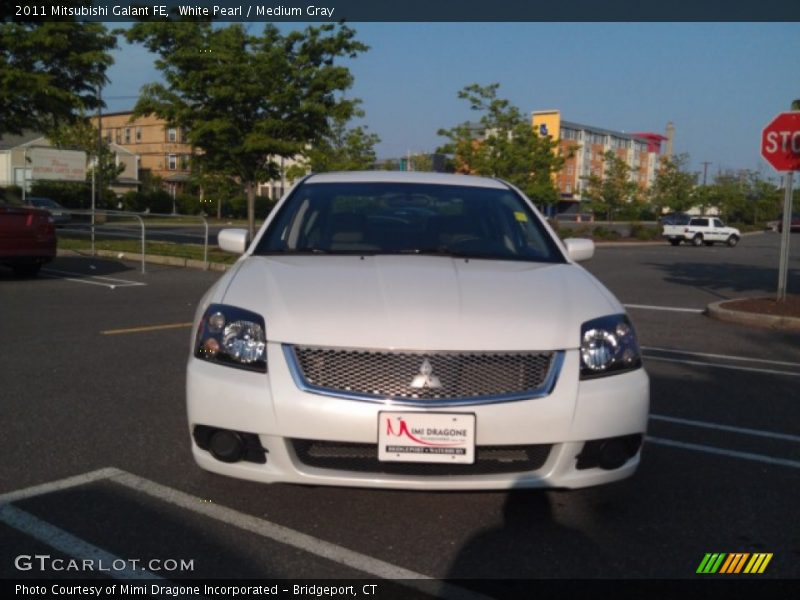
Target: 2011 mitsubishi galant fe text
{"points": [[415, 331]]}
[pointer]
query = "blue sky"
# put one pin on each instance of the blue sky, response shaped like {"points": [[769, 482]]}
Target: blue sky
{"points": [[719, 83]]}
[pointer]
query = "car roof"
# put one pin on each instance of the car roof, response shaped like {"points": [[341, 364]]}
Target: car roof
{"points": [[406, 177]]}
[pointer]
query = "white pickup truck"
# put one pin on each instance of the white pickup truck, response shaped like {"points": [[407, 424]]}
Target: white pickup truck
{"points": [[701, 230]]}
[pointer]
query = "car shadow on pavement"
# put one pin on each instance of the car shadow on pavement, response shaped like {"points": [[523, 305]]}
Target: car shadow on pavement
{"points": [[76, 266], [727, 280], [539, 537]]}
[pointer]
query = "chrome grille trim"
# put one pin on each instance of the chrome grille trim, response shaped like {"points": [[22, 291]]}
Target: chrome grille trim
{"points": [[544, 388]]}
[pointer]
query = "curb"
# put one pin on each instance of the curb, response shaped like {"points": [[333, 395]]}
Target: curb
{"points": [[658, 242], [717, 311], [155, 259]]}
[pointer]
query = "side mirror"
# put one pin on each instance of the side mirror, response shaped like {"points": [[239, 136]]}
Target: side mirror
{"points": [[579, 249], [233, 240]]}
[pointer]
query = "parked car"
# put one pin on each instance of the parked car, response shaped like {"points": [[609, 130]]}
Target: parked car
{"points": [[60, 214], [702, 230], [794, 224], [358, 342], [27, 239]]}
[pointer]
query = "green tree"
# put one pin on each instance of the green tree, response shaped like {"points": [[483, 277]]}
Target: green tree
{"points": [[50, 71], [246, 100], [745, 197], [421, 162], [342, 149], [609, 192], [503, 144], [673, 186]]}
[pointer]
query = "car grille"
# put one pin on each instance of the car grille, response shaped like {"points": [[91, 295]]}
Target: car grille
{"points": [[424, 376], [363, 458]]}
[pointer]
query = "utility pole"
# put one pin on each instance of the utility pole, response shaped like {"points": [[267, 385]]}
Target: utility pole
{"points": [[97, 176], [705, 164]]}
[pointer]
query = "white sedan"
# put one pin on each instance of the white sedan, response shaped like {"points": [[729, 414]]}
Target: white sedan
{"points": [[413, 331]]}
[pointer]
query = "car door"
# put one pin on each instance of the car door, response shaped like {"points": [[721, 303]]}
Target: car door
{"points": [[718, 230]]}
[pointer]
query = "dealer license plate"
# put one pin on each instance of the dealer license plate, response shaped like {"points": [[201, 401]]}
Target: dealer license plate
{"points": [[426, 437]]}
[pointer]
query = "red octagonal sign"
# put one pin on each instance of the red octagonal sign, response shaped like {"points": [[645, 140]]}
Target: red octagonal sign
{"points": [[780, 142]]}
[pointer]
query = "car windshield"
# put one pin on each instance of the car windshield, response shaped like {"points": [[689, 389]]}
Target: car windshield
{"points": [[408, 218]]}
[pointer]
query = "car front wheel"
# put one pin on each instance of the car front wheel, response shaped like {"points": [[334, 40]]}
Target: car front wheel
{"points": [[732, 241], [697, 240]]}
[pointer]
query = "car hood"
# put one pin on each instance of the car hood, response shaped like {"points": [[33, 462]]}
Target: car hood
{"points": [[418, 302]]}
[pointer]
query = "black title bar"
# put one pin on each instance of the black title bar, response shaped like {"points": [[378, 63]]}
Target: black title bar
{"points": [[406, 10]]}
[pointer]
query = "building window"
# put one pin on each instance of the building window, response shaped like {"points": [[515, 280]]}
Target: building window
{"points": [[138, 134], [172, 162], [184, 162], [127, 135], [172, 134], [117, 136]]}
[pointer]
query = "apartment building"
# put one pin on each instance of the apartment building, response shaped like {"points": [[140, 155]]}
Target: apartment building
{"points": [[583, 147], [162, 150]]}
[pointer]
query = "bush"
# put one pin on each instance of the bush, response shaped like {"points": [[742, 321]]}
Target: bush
{"points": [[601, 233], [11, 194], [643, 232], [187, 204], [76, 195]]}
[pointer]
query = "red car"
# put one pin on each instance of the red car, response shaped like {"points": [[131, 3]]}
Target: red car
{"points": [[794, 224], [27, 239]]}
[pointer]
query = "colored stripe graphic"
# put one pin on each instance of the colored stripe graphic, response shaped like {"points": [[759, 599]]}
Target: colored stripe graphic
{"points": [[711, 563], [734, 563], [758, 563]]}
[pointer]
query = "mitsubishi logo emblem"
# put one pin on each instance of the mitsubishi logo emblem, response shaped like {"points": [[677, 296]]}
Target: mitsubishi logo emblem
{"points": [[426, 378]]}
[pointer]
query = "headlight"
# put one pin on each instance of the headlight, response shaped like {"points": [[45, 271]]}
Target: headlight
{"points": [[232, 336], [608, 345]]}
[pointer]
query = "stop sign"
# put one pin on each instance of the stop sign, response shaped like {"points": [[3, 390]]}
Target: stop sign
{"points": [[780, 142]]}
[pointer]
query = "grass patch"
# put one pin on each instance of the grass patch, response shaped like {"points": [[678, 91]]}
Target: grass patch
{"points": [[191, 251]]}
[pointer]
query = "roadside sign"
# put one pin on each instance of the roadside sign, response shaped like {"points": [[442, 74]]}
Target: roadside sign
{"points": [[780, 142], [780, 147]]}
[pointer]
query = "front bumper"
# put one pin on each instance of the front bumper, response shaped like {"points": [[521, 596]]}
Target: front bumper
{"points": [[279, 413]]}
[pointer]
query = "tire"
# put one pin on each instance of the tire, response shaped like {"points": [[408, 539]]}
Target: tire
{"points": [[25, 270], [675, 242], [697, 240], [732, 241]]}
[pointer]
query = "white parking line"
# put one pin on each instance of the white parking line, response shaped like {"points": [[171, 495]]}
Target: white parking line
{"points": [[57, 486], [91, 279], [784, 462], [721, 366], [722, 356], [719, 427], [698, 311], [69, 544], [290, 537]]}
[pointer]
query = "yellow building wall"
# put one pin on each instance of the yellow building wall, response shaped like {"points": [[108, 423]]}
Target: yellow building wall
{"points": [[147, 137], [547, 122]]}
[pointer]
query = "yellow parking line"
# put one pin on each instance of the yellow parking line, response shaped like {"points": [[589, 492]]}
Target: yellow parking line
{"points": [[147, 328]]}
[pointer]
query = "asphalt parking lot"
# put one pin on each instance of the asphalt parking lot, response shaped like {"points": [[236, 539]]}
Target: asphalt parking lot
{"points": [[97, 460]]}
